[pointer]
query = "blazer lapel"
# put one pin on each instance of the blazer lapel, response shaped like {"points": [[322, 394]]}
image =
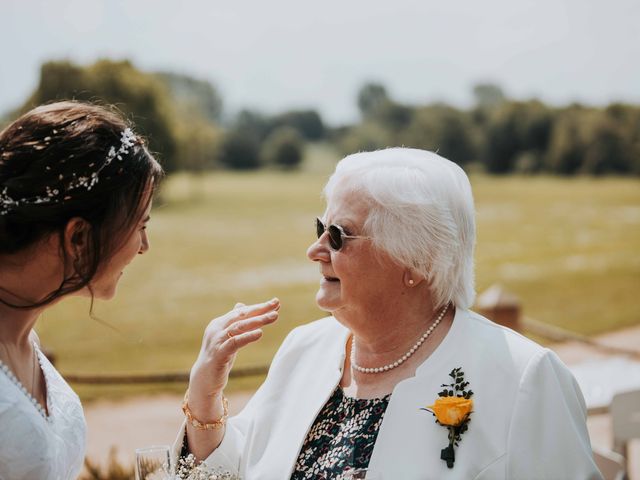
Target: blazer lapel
{"points": [[308, 387], [409, 440]]}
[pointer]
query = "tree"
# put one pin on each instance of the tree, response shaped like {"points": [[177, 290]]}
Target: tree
{"points": [[567, 147], [627, 120], [199, 142], [375, 105], [308, 123], [393, 116], [370, 98], [239, 151], [283, 148], [139, 95], [606, 150], [193, 95], [443, 129], [513, 129], [253, 123], [59, 81], [366, 137], [488, 95]]}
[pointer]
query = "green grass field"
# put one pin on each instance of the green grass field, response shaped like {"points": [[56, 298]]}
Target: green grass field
{"points": [[569, 248]]}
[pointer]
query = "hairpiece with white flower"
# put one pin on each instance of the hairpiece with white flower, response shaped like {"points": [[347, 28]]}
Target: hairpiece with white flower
{"points": [[61, 192]]}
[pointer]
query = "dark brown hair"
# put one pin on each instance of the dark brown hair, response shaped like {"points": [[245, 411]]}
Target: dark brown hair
{"points": [[53, 145]]}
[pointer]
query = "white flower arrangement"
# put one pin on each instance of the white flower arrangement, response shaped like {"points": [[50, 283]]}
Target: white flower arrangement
{"points": [[189, 468], [54, 195]]}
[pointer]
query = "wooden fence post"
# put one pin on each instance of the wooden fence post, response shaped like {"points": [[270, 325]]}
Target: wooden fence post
{"points": [[501, 306]]}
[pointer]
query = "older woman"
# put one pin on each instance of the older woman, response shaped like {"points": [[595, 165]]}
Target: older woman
{"points": [[401, 378]]}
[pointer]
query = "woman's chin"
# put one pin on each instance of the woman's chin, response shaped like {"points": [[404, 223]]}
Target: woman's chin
{"points": [[325, 309], [326, 302], [100, 292], [108, 295]]}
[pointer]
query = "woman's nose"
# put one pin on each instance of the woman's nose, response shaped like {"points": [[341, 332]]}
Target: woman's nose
{"points": [[318, 251]]}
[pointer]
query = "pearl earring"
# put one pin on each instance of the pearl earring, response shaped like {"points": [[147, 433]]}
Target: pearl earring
{"points": [[411, 281]]}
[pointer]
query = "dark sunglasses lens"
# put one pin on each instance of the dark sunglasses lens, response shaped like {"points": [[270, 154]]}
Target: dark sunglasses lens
{"points": [[335, 237], [319, 227]]}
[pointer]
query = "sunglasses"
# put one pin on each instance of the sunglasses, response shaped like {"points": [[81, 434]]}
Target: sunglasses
{"points": [[336, 234]]}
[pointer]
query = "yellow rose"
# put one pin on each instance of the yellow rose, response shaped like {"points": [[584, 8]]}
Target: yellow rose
{"points": [[452, 411]]}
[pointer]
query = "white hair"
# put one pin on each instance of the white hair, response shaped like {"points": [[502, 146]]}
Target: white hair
{"points": [[422, 214]]}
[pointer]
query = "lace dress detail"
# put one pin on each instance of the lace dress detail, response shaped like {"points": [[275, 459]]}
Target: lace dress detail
{"points": [[37, 445], [341, 438]]}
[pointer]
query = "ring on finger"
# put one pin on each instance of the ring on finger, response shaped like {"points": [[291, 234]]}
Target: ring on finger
{"points": [[229, 334]]}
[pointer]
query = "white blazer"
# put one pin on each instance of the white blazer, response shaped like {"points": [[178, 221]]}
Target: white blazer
{"points": [[528, 420]]}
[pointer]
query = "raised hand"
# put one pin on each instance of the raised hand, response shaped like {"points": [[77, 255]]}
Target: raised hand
{"points": [[223, 338]]}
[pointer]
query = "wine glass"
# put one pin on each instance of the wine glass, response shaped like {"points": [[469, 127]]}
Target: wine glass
{"points": [[153, 463]]}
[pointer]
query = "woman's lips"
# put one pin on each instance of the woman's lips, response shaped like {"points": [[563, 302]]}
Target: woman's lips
{"points": [[330, 279]]}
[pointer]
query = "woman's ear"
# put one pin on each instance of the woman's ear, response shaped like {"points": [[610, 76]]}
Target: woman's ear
{"points": [[411, 278], [77, 236]]}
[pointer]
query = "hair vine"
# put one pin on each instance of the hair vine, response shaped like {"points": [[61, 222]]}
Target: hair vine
{"points": [[54, 194]]}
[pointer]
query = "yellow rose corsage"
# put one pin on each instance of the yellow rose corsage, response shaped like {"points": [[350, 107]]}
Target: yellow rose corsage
{"points": [[452, 410]]}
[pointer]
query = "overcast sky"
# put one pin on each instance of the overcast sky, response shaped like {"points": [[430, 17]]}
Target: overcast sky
{"points": [[280, 54]]}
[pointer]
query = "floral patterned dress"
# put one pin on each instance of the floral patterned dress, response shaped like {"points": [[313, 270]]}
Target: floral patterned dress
{"points": [[341, 438]]}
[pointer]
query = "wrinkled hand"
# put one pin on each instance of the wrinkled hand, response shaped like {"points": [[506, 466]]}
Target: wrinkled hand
{"points": [[223, 338]]}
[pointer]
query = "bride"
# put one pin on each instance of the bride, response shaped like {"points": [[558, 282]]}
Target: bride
{"points": [[75, 192], [76, 186]]}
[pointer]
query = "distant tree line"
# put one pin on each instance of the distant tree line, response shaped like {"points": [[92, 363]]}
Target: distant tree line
{"points": [[183, 119], [180, 116], [502, 135]]}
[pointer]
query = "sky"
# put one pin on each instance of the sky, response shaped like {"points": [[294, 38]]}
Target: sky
{"points": [[284, 54]]}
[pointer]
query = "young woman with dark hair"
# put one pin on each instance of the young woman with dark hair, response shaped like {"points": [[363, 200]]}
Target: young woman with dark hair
{"points": [[76, 186]]}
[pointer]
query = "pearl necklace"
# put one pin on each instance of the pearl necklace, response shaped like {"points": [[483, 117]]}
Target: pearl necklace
{"points": [[403, 358], [7, 371]]}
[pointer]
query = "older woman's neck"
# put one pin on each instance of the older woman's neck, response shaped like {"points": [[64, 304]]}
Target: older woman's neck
{"points": [[386, 346], [395, 319], [391, 328]]}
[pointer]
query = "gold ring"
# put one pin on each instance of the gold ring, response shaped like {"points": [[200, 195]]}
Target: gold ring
{"points": [[229, 334]]}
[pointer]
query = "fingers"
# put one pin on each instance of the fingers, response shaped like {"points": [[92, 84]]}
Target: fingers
{"points": [[225, 335], [235, 343], [243, 332], [241, 311], [253, 323]]}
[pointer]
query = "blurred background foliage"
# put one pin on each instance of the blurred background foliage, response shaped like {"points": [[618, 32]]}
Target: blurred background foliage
{"points": [[184, 119], [230, 226]]}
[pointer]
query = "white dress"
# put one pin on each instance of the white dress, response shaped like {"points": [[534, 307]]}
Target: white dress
{"points": [[34, 445]]}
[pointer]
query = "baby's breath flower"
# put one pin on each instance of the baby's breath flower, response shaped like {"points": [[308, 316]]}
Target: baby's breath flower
{"points": [[189, 468], [53, 195]]}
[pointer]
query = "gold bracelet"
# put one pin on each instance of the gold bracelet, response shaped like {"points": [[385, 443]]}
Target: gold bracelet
{"points": [[197, 424]]}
